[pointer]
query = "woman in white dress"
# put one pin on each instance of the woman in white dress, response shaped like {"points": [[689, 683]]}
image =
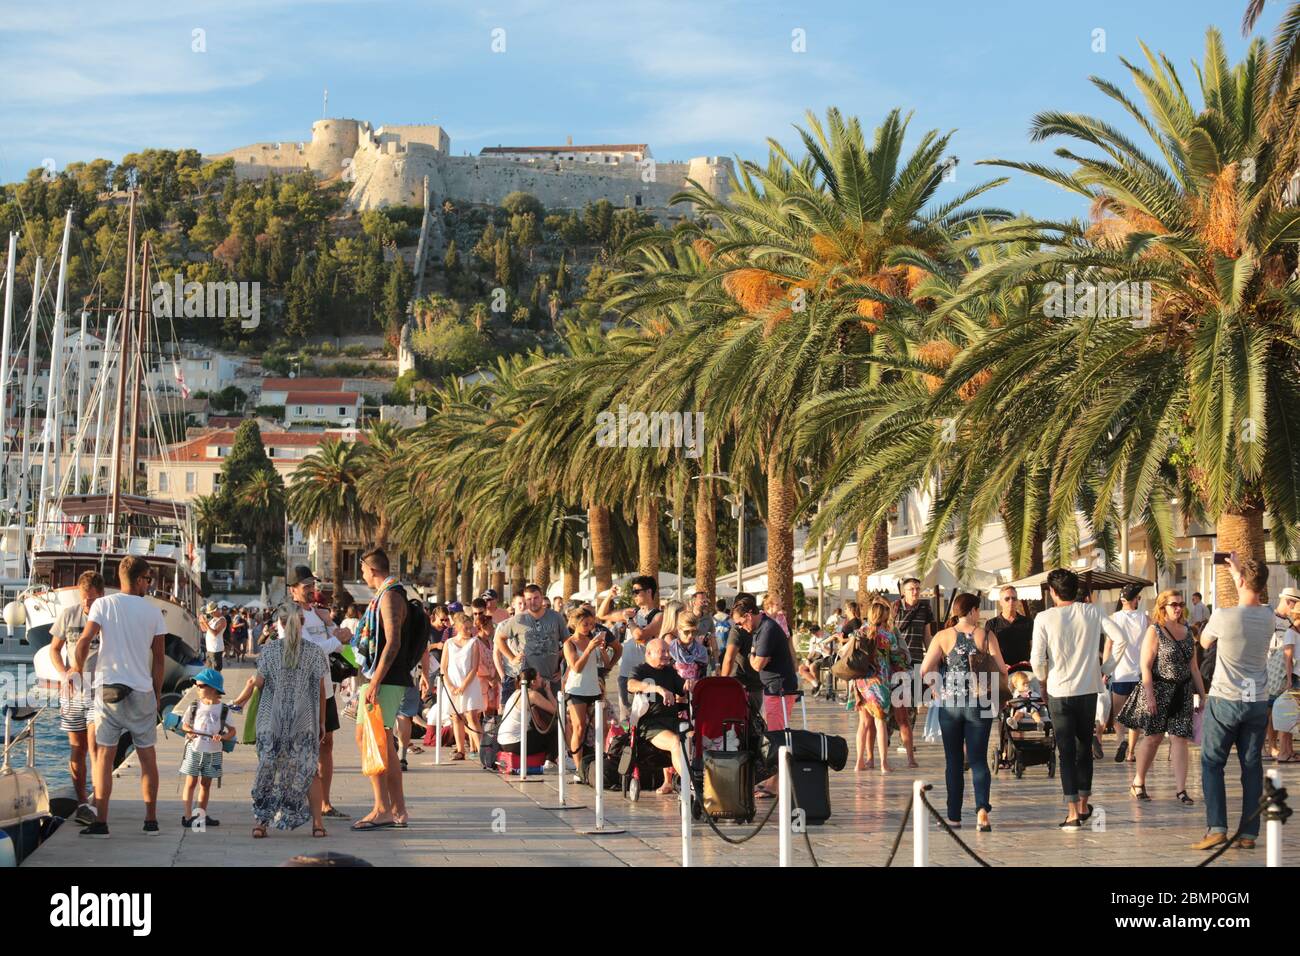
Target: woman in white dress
{"points": [[460, 660]]}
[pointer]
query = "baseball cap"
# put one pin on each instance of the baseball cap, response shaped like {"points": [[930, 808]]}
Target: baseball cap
{"points": [[455, 607], [490, 595], [300, 575]]}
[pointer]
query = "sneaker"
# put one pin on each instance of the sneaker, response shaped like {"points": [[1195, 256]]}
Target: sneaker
{"points": [[85, 815], [569, 765], [96, 829], [403, 763], [1071, 825], [151, 827], [549, 765]]}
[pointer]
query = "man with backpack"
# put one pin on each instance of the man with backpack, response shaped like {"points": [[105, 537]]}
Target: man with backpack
{"points": [[392, 649]]}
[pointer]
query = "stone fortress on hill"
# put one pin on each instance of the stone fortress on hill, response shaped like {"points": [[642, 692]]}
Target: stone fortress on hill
{"points": [[388, 166]]}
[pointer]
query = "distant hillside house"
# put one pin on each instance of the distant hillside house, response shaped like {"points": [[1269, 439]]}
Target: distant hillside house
{"points": [[337, 408]]}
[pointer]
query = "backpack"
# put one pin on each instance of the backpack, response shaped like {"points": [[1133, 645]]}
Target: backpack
{"points": [[415, 636], [488, 748]]}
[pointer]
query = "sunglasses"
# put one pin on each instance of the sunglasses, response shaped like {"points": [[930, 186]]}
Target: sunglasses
{"points": [[637, 590], [1177, 604]]}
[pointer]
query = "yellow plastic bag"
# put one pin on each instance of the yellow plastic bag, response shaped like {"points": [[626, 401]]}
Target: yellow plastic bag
{"points": [[374, 753]]}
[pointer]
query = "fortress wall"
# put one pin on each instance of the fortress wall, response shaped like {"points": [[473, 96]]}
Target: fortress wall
{"points": [[394, 179], [259, 160], [484, 181], [426, 134]]}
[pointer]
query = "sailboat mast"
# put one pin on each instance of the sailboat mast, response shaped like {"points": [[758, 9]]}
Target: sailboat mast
{"points": [[27, 420], [128, 295], [78, 432], [52, 434], [100, 425], [138, 366], [4, 363]]}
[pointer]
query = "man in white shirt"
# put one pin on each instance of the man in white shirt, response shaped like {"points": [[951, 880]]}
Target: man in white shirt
{"points": [[1236, 709], [128, 685], [1197, 614], [1064, 655], [74, 705], [1128, 663], [213, 625]]}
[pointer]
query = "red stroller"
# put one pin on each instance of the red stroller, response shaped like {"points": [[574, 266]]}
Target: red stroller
{"points": [[722, 723]]}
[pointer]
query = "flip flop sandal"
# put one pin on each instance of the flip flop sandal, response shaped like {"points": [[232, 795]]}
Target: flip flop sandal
{"points": [[336, 814], [362, 826], [318, 832], [762, 794]]}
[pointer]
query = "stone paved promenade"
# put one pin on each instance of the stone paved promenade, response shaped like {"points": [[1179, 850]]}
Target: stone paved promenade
{"points": [[453, 808]]}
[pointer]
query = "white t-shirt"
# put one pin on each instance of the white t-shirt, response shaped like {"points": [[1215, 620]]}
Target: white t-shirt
{"points": [[317, 632], [214, 635], [128, 624], [1198, 613], [1128, 658], [206, 719]]}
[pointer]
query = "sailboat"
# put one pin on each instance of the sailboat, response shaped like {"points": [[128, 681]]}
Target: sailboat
{"points": [[74, 532]]}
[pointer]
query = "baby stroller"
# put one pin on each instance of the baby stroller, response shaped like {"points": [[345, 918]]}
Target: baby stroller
{"points": [[641, 764], [1029, 743], [721, 718]]}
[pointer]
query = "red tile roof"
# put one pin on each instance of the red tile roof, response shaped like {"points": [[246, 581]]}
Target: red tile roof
{"points": [[322, 398], [196, 449], [302, 384], [599, 148]]}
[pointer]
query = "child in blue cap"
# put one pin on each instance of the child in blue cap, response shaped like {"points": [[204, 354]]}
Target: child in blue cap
{"points": [[206, 725]]}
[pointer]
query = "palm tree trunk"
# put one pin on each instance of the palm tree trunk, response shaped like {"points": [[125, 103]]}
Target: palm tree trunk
{"points": [[499, 582], [467, 579], [647, 536], [382, 531], [570, 579], [338, 562], [602, 548], [873, 556], [447, 591], [780, 534], [542, 573], [518, 578], [1036, 544], [484, 576], [1240, 530], [706, 541]]}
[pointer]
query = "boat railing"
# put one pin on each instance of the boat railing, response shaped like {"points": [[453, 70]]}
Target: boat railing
{"points": [[27, 734]]}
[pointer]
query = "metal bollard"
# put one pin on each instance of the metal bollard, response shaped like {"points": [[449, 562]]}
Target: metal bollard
{"points": [[803, 706], [599, 783], [685, 804], [437, 719], [1273, 828], [784, 802], [563, 750], [920, 826], [525, 725]]}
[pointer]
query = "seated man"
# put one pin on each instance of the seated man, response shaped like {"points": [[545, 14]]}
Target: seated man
{"points": [[661, 723], [821, 654]]}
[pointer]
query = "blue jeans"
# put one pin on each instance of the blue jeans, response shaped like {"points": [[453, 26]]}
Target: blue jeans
{"points": [[964, 725], [1224, 723]]}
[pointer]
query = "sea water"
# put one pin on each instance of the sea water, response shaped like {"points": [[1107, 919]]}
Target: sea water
{"points": [[51, 743]]}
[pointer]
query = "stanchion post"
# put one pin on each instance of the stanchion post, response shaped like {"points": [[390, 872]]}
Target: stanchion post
{"points": [[783, 808], [920, 826], [437, 719], [685, 803], [803, 707], [599, 782], [525, 725], [563, 752], [1273, 827]]}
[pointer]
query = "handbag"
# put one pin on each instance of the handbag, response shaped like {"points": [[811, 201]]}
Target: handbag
{"points": [[249, 733], [341, 668], [932, 732], [1277, 670], [853, 662]]}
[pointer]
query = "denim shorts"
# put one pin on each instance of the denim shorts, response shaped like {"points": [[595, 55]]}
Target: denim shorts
{"points": [[1123, 687], [410, 706]]}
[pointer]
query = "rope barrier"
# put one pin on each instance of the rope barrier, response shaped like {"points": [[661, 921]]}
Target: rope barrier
{"points": [[947, 829], [898, 837], [1272, 802]]}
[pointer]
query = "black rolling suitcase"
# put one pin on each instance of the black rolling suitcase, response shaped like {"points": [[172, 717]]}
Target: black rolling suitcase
{"points": [[811, 785]]}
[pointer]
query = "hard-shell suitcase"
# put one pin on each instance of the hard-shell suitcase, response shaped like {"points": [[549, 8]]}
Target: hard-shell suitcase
{"points": [[811, 782], [729, 784]]}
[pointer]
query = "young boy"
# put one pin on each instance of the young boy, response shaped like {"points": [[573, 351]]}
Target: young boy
{"points": [[206, 725]]}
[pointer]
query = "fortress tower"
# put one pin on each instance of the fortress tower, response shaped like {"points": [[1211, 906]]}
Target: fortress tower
{"points": [[332, 141]]}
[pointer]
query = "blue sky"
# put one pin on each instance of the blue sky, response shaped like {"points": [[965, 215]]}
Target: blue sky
{"points": [[85, 78]]}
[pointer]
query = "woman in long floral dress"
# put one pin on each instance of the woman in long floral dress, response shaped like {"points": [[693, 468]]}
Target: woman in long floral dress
{"points": [[291, 673]]}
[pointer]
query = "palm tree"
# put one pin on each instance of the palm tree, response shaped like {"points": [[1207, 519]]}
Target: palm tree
{"points": [[264, 498], [324, 496], [815, 253], [209, 517], [382, 460], [1202, 389]]}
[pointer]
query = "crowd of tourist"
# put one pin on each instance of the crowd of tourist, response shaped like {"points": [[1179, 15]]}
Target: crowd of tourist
{"points": [[1176, 674]]}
